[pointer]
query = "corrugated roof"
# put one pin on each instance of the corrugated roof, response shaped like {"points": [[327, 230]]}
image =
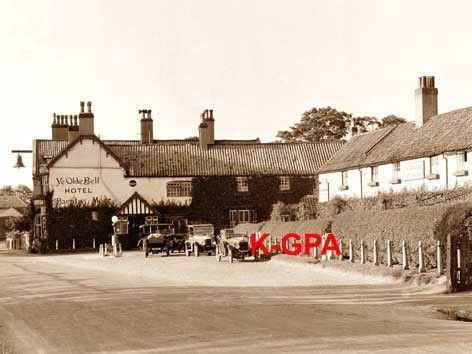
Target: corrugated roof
{"points": [[447, 132], [226, 158]]}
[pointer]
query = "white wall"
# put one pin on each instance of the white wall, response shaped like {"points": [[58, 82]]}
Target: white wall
{"points": [[88, 172], [412, 175]]}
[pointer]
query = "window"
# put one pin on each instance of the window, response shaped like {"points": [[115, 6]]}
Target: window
{"points": [[45, 183], [374, 174], [396, 171], [461, 158], [434, 165], [242, 216], [179, 189], [284, 183], [344, 178], [242, 184]]}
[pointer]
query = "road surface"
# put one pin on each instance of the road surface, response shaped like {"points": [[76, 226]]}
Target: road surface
{"points": [[86, 304]]}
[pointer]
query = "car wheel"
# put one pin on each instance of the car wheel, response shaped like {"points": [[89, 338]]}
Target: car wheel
{"points": [[230, 255], [196, 250]]}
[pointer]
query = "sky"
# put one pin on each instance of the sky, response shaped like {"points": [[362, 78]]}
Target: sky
{"points": [[258, 64]]}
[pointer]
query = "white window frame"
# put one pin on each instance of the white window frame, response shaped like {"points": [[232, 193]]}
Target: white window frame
{"points": [[344, 178], [396, 170], [284, 183], [176, 189], [461, 159], [239, 216], [374, 174], [434, 165], [242, 184]]}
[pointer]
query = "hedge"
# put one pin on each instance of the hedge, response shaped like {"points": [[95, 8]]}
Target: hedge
{"points": [[426, 224]]}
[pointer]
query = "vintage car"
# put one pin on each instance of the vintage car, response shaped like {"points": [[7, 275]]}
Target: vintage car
{"points": [[201, 238], [156, 238], [232, 245]]}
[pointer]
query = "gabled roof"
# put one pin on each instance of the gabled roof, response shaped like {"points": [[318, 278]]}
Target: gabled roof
{"points": [[80, 139], [11, 201], [136, 205], [187, 159], [448, 132]]}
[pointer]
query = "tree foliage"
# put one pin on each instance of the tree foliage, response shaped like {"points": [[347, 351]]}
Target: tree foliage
{"points": [[328, 124], [318, 125]]}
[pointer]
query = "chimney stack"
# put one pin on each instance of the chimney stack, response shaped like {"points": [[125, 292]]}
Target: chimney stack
{"points": [[73, 132], [146, 127], [206, 129], [59, 127], [86, 120], [426, 100]]}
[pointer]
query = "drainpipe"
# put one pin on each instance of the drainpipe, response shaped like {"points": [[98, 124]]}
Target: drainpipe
{"points": [[360, 175], [447, 171]]}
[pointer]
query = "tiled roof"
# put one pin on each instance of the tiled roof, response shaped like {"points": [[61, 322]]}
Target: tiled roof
{"points": [[443, 133], [9, 213], [222, 159], [225, 160], [11, 201]]}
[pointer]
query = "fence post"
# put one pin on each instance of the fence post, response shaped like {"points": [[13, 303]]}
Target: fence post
{"points": [[57, 245], [324, 257], [439, 258], [451, 265], [389, 253], [362, 252], [93, 243], [376, 255], [340, 257], [404, 255], [420, 258], [351, 253]]}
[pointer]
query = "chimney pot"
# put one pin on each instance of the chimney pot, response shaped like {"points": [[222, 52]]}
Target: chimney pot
{"points": [[89, 107], [82, 107]]}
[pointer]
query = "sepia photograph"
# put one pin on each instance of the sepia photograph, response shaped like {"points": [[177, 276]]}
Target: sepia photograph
{"points": [[235, 176]]}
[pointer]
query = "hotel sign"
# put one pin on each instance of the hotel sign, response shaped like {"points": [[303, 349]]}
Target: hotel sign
{"points": [[412, 170], [73, 189]]}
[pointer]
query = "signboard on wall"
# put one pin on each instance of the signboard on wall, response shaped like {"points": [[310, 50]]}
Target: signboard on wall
{"points": [[412, 170], [73, 189]]}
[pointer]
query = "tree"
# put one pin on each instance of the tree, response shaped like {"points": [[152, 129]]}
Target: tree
{"points": [[391, 120], [318, 125], [362, 123]]}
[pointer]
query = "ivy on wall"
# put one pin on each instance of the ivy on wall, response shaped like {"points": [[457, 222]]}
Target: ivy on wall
{"points": [[82, 222], [213, 197]]}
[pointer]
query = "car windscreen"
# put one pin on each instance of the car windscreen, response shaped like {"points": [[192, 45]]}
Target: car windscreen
{"points": [[202, 230]]}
